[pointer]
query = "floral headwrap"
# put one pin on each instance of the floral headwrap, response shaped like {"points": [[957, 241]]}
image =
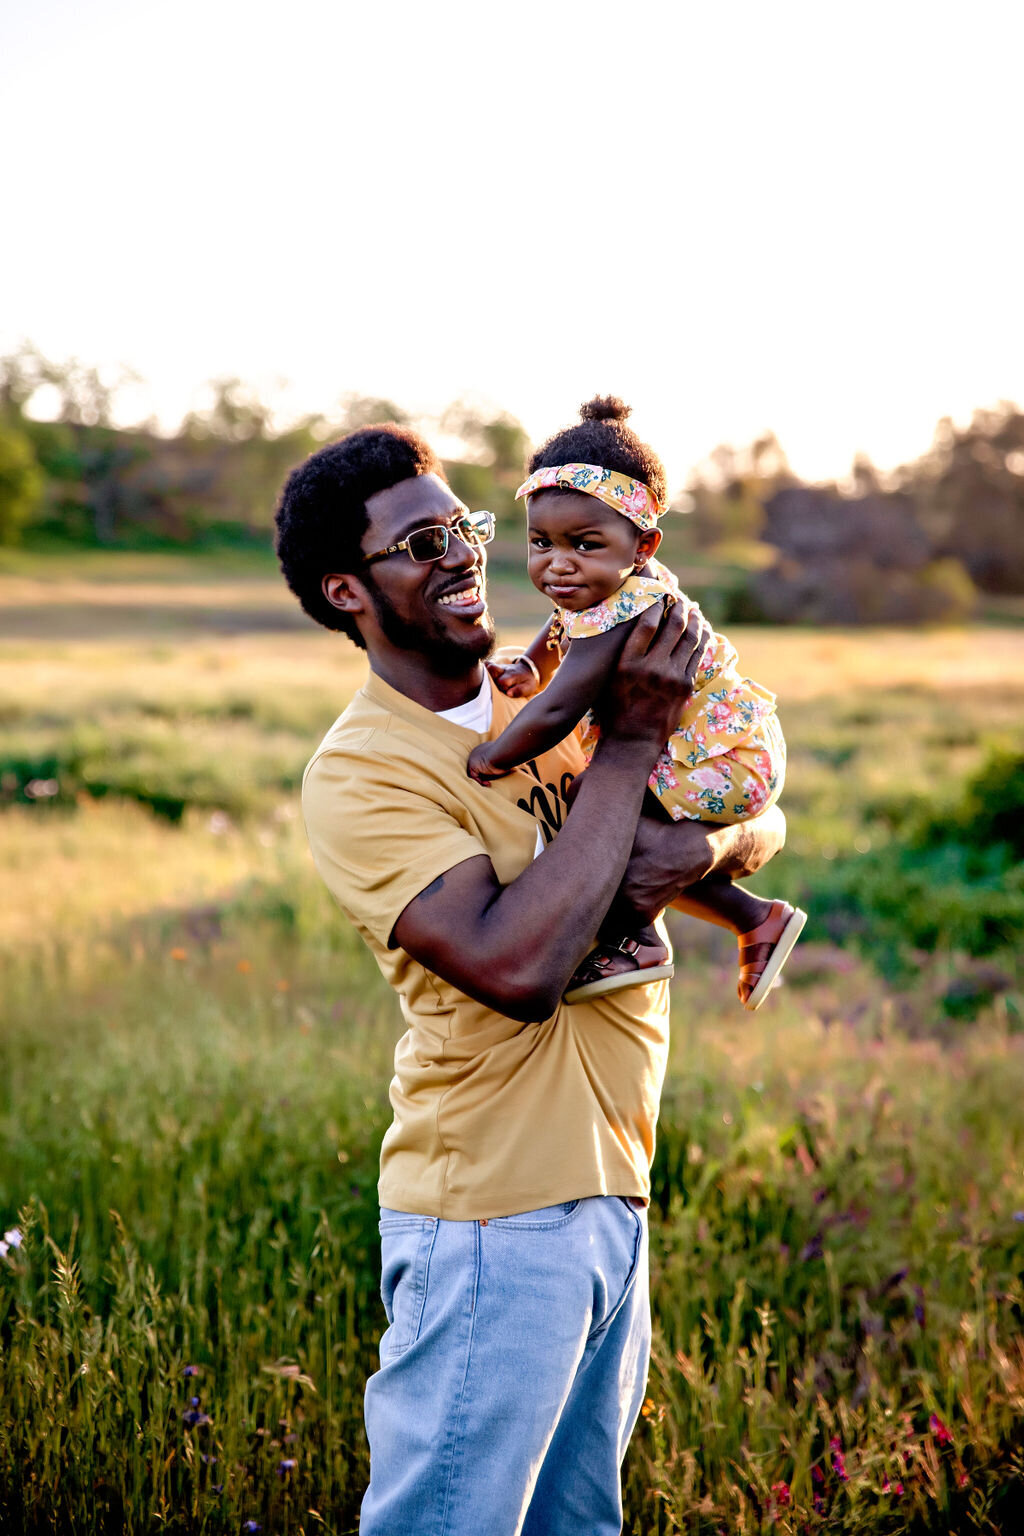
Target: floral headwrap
{"points": [[620, 492]]}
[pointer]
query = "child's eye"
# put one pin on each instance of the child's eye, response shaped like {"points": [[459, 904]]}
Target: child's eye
{"points": [[585, 545], [538, 541]]}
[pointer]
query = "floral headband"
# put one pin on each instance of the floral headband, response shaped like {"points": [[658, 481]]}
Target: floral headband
{"points": [[620, 492]]}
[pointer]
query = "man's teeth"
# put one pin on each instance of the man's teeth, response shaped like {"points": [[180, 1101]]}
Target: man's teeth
{"points": [[470, 595]]}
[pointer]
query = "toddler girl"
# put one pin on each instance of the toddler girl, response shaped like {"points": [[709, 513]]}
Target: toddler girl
{"points": [[593, 499]]}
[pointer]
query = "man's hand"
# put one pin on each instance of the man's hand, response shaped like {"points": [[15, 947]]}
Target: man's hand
{"points": [[654, 676], [669, 856]]}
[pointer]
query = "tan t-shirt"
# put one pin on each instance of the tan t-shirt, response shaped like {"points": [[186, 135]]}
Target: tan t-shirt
{"points": [[491, 1117]]}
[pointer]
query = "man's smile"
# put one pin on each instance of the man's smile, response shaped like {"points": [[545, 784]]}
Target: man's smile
{"points": [[467, 599]]}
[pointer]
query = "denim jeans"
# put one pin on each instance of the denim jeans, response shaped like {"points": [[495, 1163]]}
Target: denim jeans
{"points": [[512, 1371]]}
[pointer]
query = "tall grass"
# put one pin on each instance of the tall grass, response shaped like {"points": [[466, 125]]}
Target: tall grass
{"points": [[194, 1058]]}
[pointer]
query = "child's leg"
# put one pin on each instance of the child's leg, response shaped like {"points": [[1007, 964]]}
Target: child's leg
{"points": [[734, 787]]}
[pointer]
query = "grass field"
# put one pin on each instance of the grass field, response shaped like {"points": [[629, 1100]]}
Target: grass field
{"points": [[195, 1055]]}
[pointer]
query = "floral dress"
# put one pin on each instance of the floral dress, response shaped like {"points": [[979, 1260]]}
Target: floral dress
{"points": [[726, 760]]}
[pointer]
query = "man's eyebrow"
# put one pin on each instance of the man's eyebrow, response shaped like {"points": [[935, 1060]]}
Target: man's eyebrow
{"points": [[435, 521]]}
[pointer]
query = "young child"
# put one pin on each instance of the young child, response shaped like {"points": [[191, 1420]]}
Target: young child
{"points": [[593, 499]]}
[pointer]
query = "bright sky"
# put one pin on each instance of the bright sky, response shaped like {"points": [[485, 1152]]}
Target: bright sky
{"points": [[792, 215]]}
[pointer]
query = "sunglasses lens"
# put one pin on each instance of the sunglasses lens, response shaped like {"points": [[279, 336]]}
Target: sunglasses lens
{"points": [[428, 543], [477, 527]]}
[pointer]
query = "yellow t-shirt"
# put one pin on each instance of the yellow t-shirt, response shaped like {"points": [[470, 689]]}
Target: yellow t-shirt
{"points": [[491, 1117]]}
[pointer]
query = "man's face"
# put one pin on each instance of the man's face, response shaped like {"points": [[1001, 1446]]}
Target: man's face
{"points": [[438, 608]]}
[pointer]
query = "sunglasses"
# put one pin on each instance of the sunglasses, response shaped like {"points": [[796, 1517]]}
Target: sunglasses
{"points": [[427, 544]]}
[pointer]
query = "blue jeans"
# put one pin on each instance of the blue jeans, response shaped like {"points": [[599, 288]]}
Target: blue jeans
{"points": [[512, 1372]]}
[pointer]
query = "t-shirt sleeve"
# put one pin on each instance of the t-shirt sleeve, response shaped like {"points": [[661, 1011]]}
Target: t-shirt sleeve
{"points": [[376, 842]]}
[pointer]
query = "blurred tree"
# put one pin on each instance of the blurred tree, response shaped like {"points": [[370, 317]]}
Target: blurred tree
{"points": [[369, 411], [969, 489], [497, 448], [21, 481]]}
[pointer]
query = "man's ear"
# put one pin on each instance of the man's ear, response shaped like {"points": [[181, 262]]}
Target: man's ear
{"points": [[647, 545], [346, 593]]}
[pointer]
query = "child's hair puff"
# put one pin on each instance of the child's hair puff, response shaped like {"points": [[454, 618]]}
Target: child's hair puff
{"points": [[602, 437]]}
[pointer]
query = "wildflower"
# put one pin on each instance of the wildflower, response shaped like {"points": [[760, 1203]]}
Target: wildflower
{"points": [[962, 1480], [193, 1417], [208, 1461], [838, 1460], [250, 1526], [245, 966], [817, 1476], [780, 1493], [4, 1248], [177, 953], [13, 1238], [191, 1370], [941, 1431], [283, 985], [819, 1504], [216, 1487], [287, 1465], [1018, 1215]]}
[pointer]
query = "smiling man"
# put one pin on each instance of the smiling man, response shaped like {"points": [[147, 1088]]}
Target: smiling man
{"points": [[515, 1174]]}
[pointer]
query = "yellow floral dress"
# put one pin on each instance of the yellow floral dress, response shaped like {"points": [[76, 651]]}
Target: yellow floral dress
{"points": [[726, 761]]}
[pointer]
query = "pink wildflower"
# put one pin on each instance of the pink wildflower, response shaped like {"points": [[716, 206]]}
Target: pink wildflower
{"points": [[780, 1493], [941, 1431], [838, 1460]]}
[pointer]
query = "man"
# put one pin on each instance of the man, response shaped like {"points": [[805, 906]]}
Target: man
{"points": [[515, 1174]]}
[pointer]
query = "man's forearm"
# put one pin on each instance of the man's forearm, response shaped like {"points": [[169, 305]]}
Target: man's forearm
{"points": [[668, 856], [588, 859]]}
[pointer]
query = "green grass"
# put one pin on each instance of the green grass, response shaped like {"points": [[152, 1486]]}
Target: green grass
{"points": [[194, 1058]]}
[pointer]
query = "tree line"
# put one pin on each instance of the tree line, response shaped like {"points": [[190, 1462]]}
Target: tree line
{"points": [[918, 544]]}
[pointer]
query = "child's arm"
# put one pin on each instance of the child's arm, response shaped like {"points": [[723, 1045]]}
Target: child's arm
{"points": [[554, 713], [528, 673]]}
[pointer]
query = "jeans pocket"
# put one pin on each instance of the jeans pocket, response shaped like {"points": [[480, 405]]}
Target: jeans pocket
{"points": [[541, 1220], [406, 1243]]}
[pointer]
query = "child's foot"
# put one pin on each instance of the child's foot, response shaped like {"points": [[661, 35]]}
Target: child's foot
{"points": [[765, 950], [610, 967]]}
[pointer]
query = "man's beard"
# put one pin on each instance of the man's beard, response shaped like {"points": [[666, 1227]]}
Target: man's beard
{"points": [[448, 657]]}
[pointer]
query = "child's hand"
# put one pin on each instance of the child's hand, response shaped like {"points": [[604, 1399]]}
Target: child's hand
{"points": [[480, 767], [516, 678]]}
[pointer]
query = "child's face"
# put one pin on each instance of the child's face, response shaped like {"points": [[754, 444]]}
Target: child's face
{"points": [[579, 550]]}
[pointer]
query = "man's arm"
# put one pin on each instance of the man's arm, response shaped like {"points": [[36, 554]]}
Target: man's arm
{"points": [[514, 947], [668, 856]]}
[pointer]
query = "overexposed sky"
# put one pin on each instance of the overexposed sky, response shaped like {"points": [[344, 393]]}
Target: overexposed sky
{"points": [[794, 215]]}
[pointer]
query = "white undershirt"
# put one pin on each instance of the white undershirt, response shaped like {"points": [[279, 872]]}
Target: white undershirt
{"points": [[477, 716]]}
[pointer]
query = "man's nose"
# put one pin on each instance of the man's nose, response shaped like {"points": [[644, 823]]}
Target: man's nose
{"points": [[460, 554]]}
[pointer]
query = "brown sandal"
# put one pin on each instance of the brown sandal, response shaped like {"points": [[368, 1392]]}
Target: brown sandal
{"points": [[591, 977], [774, 939]]}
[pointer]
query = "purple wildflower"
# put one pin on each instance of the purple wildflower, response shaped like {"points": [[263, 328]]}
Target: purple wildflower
{"points": [[192, 1418], [838, 1460], [287, 1465], [250, 1526], [191, 1370]]}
